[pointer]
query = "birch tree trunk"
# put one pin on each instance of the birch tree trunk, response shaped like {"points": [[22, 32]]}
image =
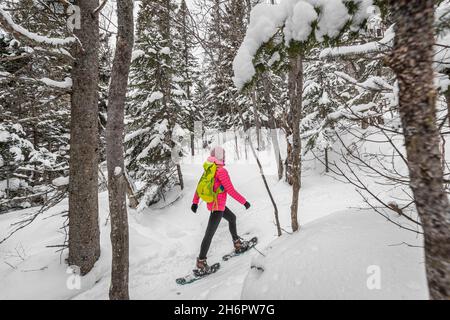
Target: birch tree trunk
{"points": [[295, 99], [412, 60], [84, 233], [115, 154]]}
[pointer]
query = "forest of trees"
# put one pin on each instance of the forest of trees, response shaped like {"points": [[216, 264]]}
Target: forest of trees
{"points": [[97, 94]]}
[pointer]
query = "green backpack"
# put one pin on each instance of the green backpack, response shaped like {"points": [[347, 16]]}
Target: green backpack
{"points": [[205, 187]]}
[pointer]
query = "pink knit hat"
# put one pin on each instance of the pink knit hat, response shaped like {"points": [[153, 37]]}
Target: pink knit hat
{"points": [[218, 153]]}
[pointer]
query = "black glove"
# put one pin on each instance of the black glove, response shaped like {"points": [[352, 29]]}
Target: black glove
{"points": [[194, 207], [247, 205]]}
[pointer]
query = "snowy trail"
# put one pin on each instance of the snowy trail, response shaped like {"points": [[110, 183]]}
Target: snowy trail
{"points": [[165, 242]]}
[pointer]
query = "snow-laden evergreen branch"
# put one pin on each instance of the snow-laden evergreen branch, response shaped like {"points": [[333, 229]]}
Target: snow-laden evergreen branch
{"points": [[374, 83], [7, 22], [369, 47], [342, 112], [301, 21], [65, 84]]}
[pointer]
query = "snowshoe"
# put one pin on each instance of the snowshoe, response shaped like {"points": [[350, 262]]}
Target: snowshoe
{"points": [[241, 247], [198, 274]]}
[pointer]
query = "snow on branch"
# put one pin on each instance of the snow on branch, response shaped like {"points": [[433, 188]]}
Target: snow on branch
{"points": [[137, 54], [355, 111], [370, 47], [66, 84], [373, 83], [299, 21], [7, 21]]}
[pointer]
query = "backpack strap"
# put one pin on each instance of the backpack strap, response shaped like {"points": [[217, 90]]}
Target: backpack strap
{"points": [[220, 189]]}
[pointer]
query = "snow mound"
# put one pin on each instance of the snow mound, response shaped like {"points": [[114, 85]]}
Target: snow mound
{"points": [[340, 257]]}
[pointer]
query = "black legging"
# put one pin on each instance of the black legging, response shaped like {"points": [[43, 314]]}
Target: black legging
{"points": [[214, 220]]}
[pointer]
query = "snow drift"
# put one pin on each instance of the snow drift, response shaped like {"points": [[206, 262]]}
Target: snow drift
{"points": [[340, 257]]}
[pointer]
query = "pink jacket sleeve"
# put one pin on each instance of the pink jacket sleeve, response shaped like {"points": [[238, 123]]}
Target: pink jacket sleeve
{"points": [[196, 198], [224, 179]]}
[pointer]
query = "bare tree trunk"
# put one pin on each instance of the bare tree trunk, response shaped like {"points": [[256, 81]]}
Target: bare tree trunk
{"points": [[257, 120], [412, 60], [115, 154], [273, 127], [447, 98], [186, 61], [276, 150], [180, 176], [192, 145], [295, 98], [84, 233], [288, 162], [245, 146], [131, 192], [236, 145]]}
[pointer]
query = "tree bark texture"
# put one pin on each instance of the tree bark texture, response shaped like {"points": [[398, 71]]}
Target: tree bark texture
{"points": [[295, 99], [411, 60], [84, 233], [115, 154]]}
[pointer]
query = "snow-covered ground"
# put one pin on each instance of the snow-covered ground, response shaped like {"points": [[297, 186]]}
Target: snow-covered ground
{"points": [[332, 256], [347, 255]]}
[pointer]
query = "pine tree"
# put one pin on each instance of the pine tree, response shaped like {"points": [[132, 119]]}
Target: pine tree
{"points": [[225, 30], [187, 73], [158, 104], [323, 93], [26, 99], [15, 150]]}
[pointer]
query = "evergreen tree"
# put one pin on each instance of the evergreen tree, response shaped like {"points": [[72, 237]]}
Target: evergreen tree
{"points": [[225, 31], [187, 71], [33, 102], [323, 93], [160, 106]]}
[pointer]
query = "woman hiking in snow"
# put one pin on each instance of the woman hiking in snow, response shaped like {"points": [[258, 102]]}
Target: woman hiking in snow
{"points": [[213, 187]]}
